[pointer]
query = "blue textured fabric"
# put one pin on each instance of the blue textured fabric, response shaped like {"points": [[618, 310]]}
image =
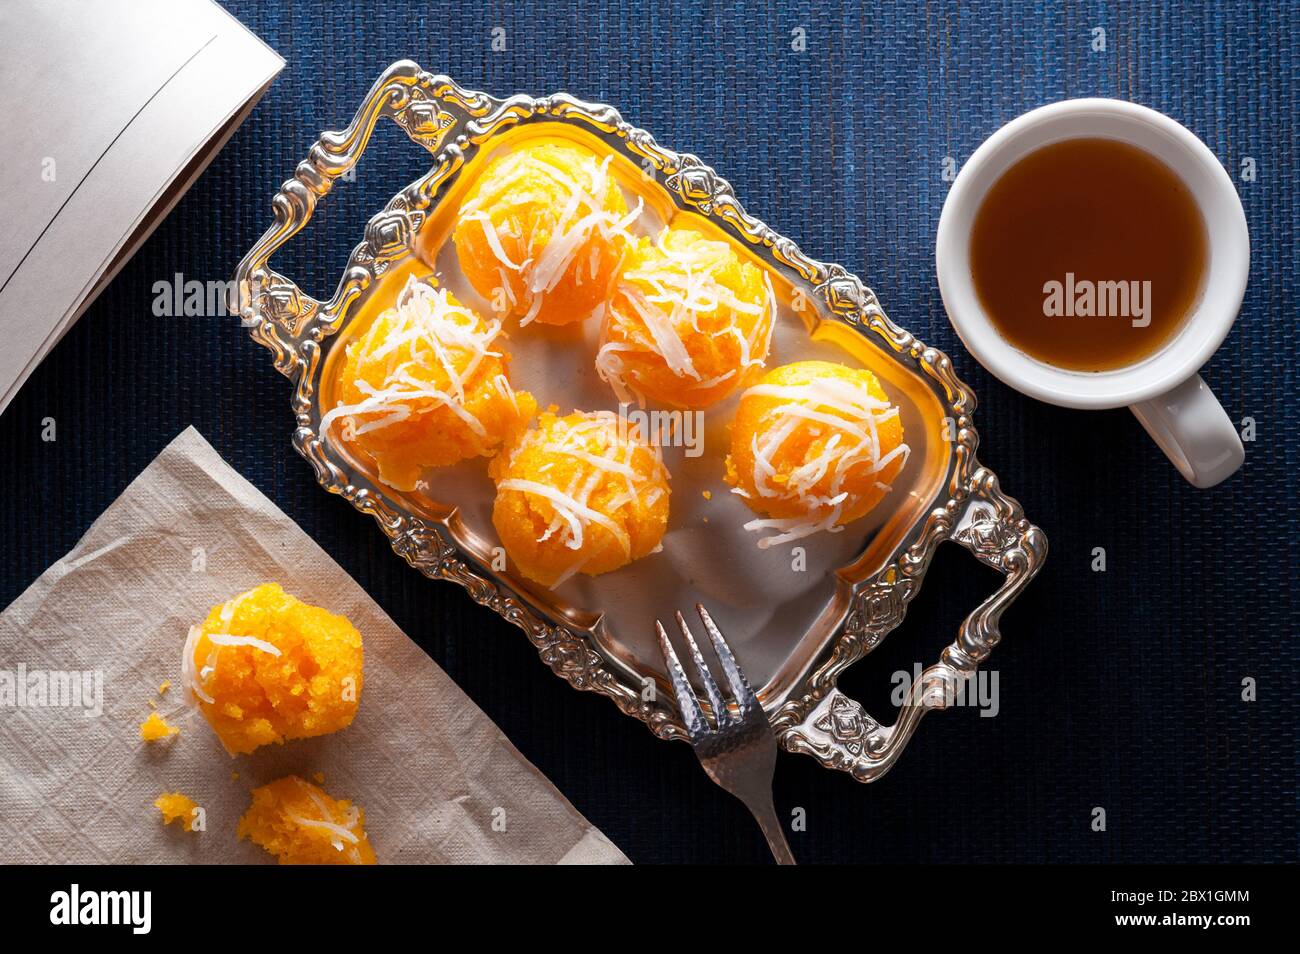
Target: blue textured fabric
{"points": [[1119, 690]]}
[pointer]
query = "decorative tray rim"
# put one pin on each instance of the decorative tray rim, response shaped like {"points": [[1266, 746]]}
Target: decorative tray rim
{"points": [[814, 717]]}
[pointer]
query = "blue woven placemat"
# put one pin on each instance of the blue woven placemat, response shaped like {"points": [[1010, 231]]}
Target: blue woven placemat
{"points": [[1119, 690]]}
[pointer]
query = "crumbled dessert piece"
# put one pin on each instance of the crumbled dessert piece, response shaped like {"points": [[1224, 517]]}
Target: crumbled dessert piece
{"points": [[156, 727], [319, 778], [301, 825], [176, 807], [164, 686], [265, 667], [708, 494]]}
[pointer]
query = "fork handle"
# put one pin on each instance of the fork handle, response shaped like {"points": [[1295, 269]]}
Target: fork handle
{"points": [[764, 812]]}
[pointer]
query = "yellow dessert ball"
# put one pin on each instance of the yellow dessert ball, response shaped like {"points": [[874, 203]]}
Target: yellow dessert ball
{"points": [[426, 386], [301, 825], [265, 667], [579, 494], [541, 232], [689, 322], [814, 445]]}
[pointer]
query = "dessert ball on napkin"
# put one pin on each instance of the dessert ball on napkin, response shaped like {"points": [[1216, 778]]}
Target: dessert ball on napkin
{"points": [[301, 825], [542, 231], [265, 667]]}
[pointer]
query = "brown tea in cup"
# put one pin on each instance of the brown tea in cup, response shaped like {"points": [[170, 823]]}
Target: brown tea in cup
{"points": [[1088, 254]]}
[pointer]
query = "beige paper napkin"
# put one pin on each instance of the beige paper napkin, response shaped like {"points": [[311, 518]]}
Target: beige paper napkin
{"points": [[437, 779]]}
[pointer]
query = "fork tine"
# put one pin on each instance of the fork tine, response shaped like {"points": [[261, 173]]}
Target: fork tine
{"points": [[735, 678], [721, 716], [692, 715]]}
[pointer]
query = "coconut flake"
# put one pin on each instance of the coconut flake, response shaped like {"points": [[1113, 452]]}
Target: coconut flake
{"points": [[229, 639], [493, 239], [188, 675], [571, 508], [428, 324]]}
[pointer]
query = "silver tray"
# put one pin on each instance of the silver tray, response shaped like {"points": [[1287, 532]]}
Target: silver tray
{"points": [[807, 710]]}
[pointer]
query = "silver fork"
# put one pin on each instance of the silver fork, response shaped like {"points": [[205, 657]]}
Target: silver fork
{"points": [[739, 752]]}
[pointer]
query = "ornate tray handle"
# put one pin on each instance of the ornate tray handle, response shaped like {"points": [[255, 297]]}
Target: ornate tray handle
{"points": [[835, 729], [272, 306]]}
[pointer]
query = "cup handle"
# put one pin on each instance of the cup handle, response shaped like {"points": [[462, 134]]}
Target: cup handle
{"points": [[1192, 428]]}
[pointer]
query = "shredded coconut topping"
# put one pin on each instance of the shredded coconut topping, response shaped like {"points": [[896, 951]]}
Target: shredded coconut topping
{"points": [[443, 345], [848, 417], [227, 639], [194, 677], [342, 833], [582, 216], [658, 304], [595, 441], [188, 673]]}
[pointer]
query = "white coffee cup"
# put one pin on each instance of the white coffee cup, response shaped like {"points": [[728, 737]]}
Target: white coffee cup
{"points": [[1164, 389]]}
